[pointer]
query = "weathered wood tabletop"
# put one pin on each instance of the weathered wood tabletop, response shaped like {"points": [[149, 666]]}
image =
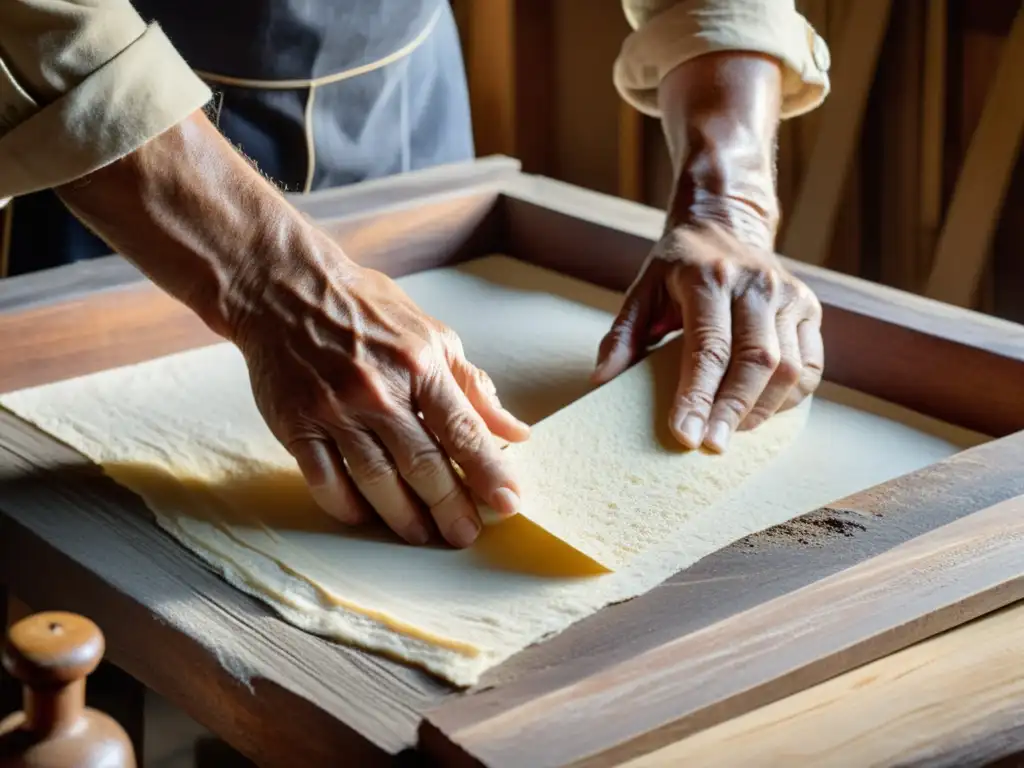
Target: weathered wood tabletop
{"points": [[654, 680]]}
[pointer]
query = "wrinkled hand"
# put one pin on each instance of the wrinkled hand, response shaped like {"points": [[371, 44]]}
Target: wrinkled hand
{"points": [[374, 398], [752, 332]]}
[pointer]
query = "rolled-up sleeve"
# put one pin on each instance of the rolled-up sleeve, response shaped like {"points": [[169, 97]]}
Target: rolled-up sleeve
{"points": [[668, 33], [82, 84]]}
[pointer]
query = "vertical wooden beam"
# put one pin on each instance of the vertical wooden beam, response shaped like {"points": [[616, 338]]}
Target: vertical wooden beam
{"points": [[933, 134], [489, 36], [976, 206], [631, 153], [534, 85], [898, 89], [809, 234], [508, 46]]}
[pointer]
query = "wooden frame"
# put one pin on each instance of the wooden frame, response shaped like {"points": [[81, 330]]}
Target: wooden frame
{"points": [[70, 538]]}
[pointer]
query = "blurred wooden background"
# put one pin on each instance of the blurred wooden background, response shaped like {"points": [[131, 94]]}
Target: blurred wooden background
{"points": [[909, 175]]}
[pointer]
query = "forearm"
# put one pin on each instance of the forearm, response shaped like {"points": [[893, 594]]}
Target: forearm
{"points": [[720, 114], [193, 215]]}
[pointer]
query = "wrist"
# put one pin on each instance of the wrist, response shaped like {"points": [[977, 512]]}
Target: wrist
{"points": [[733, 186], [720, 114], [198, 219]]}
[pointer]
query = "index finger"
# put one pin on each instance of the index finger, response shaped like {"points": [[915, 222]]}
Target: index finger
{"points": [[448, 413]]}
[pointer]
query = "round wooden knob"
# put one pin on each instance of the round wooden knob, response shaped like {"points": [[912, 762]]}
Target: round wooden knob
{"points": [[51, 650], [52, 654]]}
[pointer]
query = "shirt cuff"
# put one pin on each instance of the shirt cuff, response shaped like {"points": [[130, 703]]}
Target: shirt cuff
{"points": [[692, 28], [140, 93]]}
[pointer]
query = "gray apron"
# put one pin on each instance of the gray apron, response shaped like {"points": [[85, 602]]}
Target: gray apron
{"points": [[318, 93]]}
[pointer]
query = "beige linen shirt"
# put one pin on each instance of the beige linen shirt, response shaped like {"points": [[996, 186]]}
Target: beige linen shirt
{"points": [[85, 82], [668, 33]]}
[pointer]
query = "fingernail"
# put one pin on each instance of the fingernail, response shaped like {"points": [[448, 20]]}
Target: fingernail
{"points": [[417, 534], [718, 436], [464, 532], [692, 430], [505, 502]]}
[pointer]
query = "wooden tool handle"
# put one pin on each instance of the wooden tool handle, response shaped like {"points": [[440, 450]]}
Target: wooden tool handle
{"points": [[52, 654]]}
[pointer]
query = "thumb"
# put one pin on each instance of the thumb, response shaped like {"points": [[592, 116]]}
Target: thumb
{"points": [[483, 396]]}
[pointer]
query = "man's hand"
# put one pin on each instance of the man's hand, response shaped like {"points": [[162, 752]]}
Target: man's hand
{"points": [[751, 331], [372, 397], [342, 362], [752, 343]]}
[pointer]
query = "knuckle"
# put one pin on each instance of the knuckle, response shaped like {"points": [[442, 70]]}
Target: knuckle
{"points": [[809, 380], [464, 434], [712, 352], [718, 273], [733, 407], [484, 383], [814, 310], [813, 369], [788, 370], [372, 472], [424, 465], [807, 300], [451, 340], [419, 359], [699, 399], [758, 356], [764, 287], [770, 282], [452, 496], [756, 416]]}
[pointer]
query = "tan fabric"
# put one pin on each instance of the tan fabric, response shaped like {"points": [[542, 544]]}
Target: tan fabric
{"points": [[671, 32], [83, 83]]}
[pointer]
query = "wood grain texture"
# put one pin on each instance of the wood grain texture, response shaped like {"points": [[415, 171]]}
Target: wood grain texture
{"points": [[78, 319], [426, 214], [960, 256], [83, 278], [894, 711], [702, 662], [169, 621], [378, 195], [919, 353], [71, 539]]}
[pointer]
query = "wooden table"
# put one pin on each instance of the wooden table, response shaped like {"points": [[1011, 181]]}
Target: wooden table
{"points": [[654, 681]]}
